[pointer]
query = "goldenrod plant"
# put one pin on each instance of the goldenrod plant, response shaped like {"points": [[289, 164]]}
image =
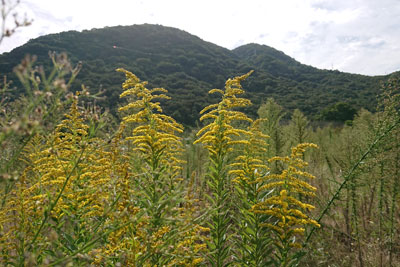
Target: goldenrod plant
{"points": [[59, 198], [158, 181], [220, 136], [37, 112], [252, 240], [190, 245], [121, 213], [288, 213]]}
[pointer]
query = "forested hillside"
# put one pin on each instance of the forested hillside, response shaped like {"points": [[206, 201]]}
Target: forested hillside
{"points": [[188, 66]]}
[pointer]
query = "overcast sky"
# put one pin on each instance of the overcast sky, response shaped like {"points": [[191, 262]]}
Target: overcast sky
{"points": [[357, 36]]}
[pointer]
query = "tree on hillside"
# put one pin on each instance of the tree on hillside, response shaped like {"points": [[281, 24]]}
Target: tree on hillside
{"points": [[339, 112]]}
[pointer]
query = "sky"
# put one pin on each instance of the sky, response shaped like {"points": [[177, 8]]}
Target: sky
{"points": [[356, 36]]}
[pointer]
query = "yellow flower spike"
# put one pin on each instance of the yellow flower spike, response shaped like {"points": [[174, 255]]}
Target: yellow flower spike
{"points": [[220, 136], [222, 113], [159, 151], [288, 212], [155, 131]]}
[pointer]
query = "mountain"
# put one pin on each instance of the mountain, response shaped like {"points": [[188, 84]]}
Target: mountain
{"points": [[189, 67], [295, 85]]}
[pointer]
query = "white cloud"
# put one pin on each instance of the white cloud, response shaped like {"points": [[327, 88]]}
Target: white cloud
{"points": [[367, 42], [359, 36]]}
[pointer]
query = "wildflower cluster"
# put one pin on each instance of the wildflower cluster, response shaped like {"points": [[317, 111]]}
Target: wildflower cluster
{"points": [[60, 195], [285, 208]]}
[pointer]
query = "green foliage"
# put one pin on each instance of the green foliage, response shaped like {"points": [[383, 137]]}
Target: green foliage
{"points": [[364, 188], [297, 86], [340, 112], [188, 67]]}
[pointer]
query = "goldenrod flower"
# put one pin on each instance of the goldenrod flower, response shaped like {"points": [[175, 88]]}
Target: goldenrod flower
{"points": [[288, 211]]}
